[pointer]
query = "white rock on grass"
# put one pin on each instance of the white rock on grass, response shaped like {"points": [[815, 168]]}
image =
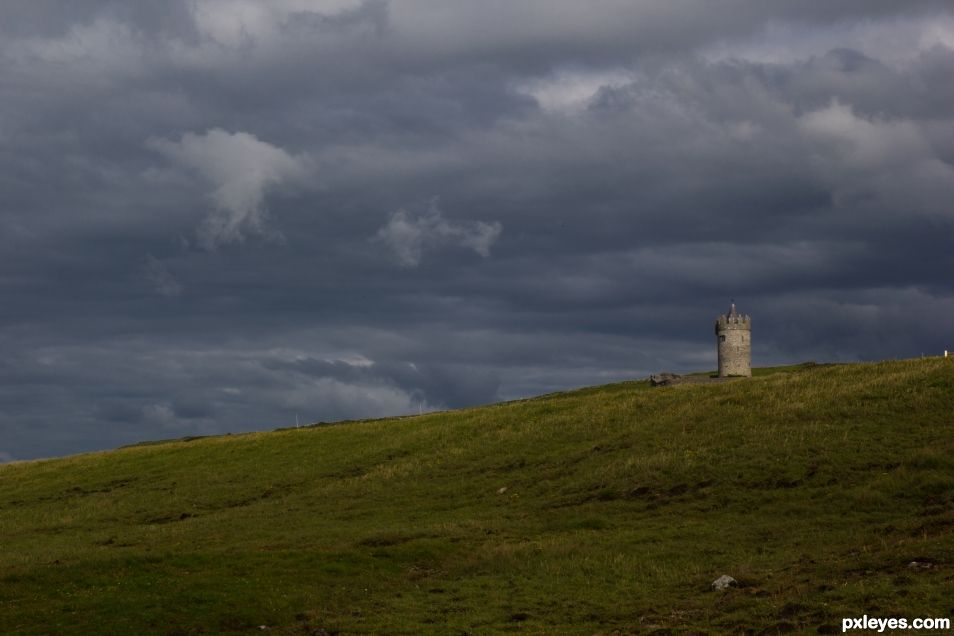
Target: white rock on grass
{"points": [[724, 582]]}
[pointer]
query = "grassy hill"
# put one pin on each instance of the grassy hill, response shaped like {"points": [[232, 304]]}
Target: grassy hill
{"points": [[603, 509]]}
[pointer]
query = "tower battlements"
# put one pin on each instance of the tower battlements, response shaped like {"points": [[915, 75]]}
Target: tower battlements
{"points": [[739, 321]]}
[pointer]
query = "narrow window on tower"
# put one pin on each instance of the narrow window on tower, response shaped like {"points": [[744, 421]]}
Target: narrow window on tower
{"points": [[721, 338]]}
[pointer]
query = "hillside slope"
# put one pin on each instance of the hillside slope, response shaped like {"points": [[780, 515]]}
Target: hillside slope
{"points": [[609, 508]]}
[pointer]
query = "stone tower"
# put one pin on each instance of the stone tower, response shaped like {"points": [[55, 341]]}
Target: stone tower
{"points": [[734, 337]]}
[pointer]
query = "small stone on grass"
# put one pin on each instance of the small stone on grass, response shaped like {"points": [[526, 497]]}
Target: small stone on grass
{"points": [[724, 582]]}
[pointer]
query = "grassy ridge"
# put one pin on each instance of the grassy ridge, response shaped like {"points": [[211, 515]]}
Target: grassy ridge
{"points": [[609, 508]]}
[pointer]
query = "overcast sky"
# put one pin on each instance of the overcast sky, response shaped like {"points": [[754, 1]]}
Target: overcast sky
{"points": [[220, 215]]}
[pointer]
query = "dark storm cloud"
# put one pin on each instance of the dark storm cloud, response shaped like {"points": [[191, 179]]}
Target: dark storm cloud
{"points": [[48, 18], [227, 215]]}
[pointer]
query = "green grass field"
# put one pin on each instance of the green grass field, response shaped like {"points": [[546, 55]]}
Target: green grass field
{"points": [[604, 510]]}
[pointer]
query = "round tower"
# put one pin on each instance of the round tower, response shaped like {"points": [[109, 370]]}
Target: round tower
{"points": [[734, 337]]}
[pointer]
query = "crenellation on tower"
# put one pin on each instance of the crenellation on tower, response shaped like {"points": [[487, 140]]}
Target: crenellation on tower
{"points": [[734, 339], [737, 322]]}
